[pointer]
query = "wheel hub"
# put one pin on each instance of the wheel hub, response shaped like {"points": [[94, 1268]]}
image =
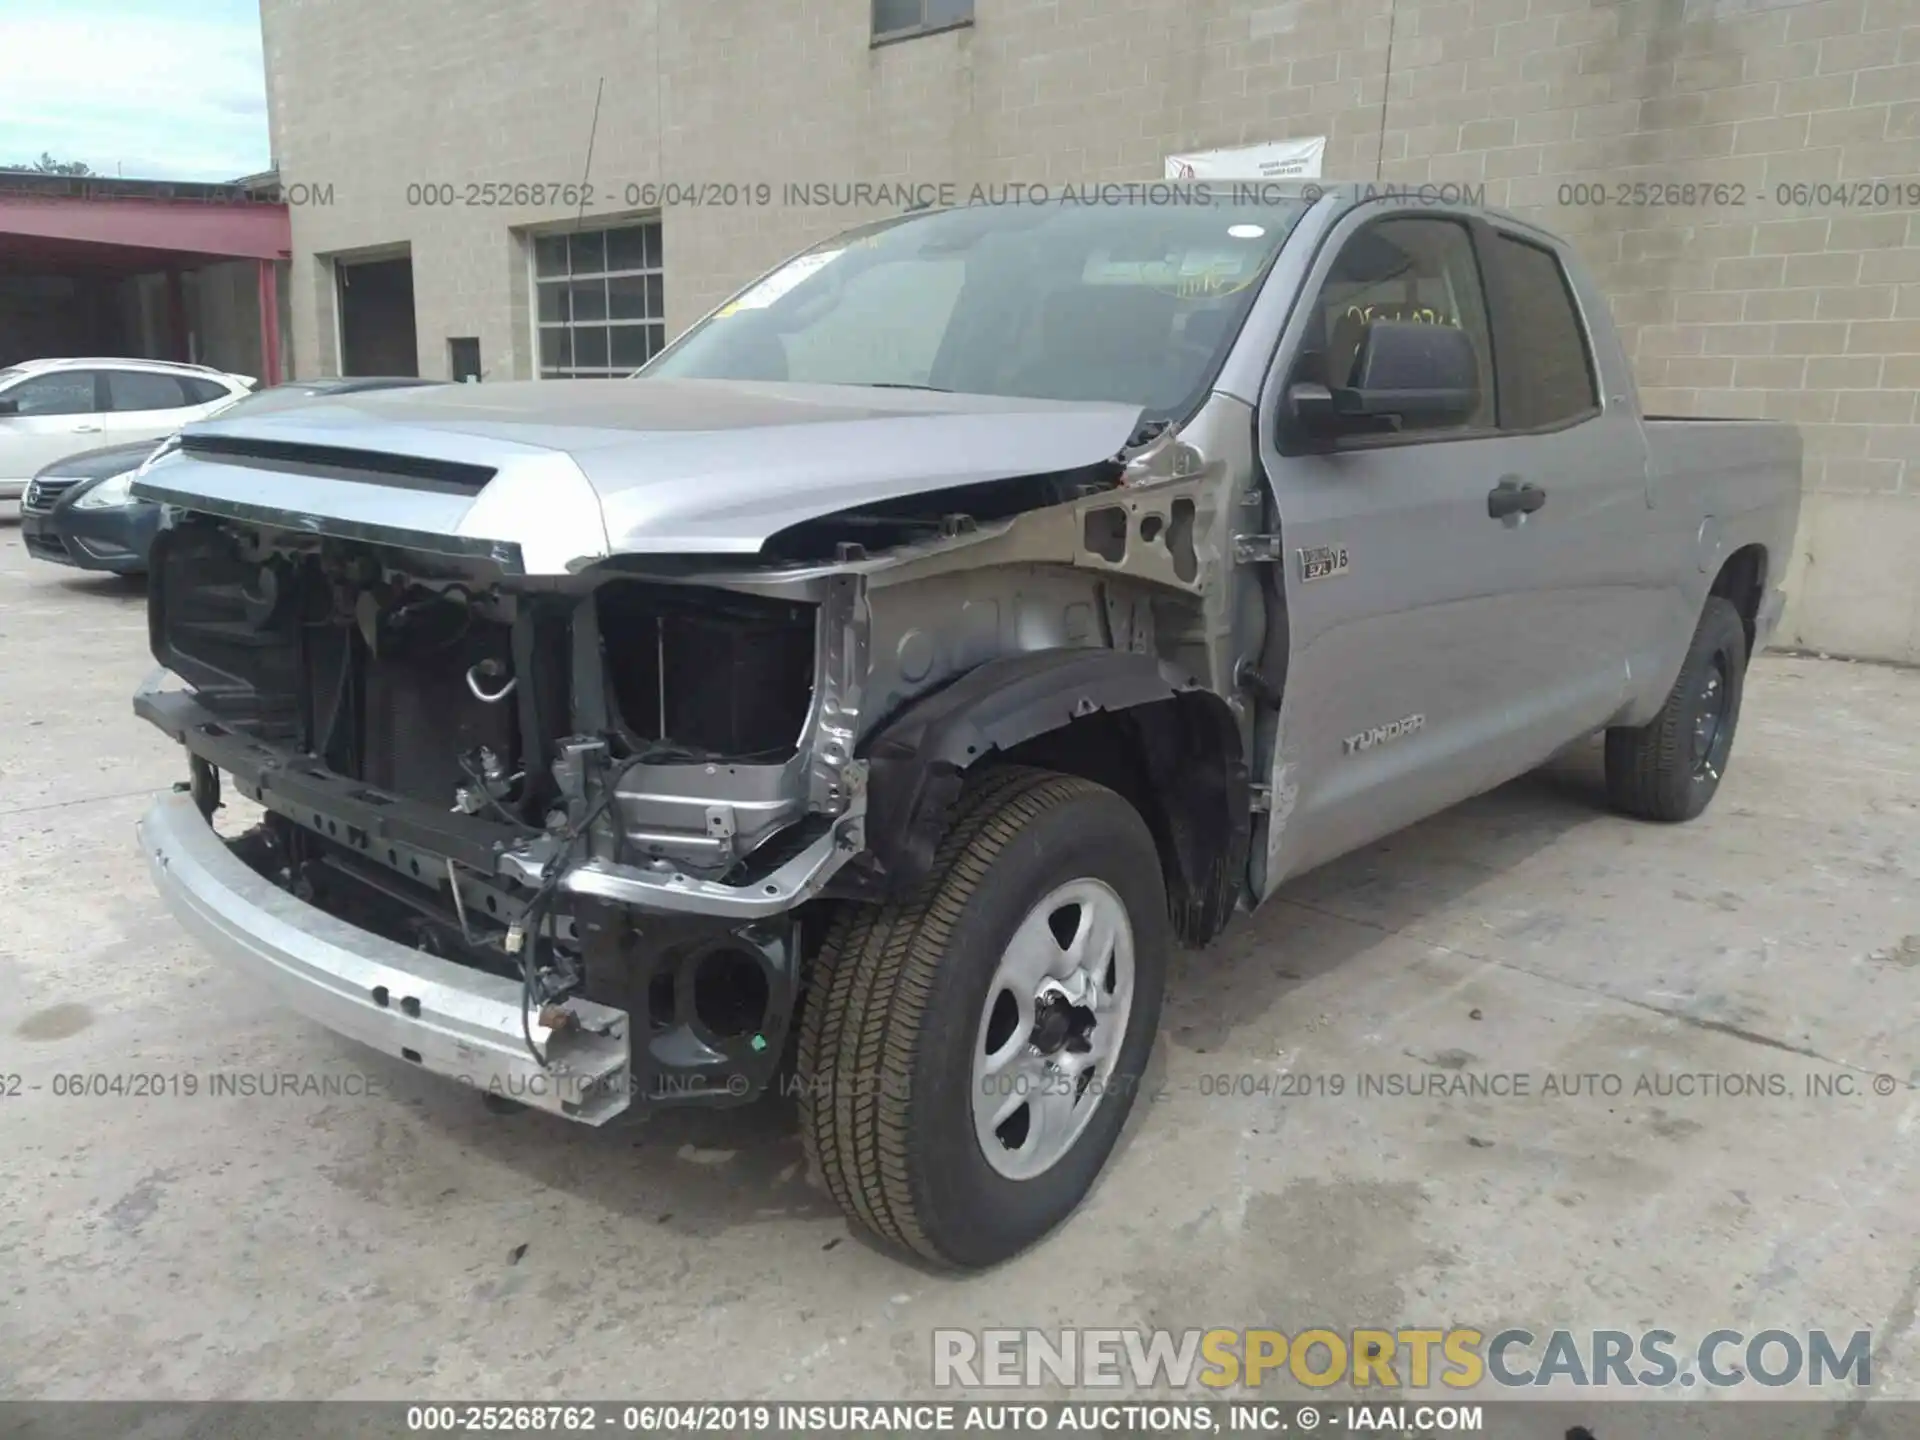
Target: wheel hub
{"points": [[1710, 721], [1054, 1019], [1059, 1024]]}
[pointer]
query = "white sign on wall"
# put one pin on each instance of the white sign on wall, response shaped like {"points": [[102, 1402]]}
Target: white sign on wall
{"points": [[1279, 160]]}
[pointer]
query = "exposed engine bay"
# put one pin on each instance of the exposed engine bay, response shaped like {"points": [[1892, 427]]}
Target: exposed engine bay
{"points": [[436, 749]]}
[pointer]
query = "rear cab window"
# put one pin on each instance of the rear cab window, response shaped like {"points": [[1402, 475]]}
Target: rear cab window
{"points": [[1546, 364]]}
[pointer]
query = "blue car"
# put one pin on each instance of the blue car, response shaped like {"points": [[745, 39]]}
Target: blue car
{"points": [[80, 511], [120, 544]]}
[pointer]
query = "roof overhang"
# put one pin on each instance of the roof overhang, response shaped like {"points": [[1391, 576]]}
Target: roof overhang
{"points": [[137, 234]]}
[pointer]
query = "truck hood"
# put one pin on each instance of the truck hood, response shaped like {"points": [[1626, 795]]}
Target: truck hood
{"points": [[550, 476]]}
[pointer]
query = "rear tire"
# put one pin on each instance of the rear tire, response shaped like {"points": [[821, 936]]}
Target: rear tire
{"points": [[1670, 768], [911, 1002]]}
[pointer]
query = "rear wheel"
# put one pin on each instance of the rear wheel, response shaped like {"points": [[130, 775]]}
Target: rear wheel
{"points": [[968, 1056], [1669, 768]]}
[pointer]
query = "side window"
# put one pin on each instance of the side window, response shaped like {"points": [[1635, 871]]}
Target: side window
{"points": [[203, 392], [1417, 269], [144, 390], [1549, 378], [67, 392]]}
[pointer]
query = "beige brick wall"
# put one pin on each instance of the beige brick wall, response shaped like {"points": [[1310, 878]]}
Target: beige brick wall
{"points": [[1780, 306]]}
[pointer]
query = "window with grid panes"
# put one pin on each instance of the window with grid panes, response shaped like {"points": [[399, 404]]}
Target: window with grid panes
{"points": [[599, 307]]}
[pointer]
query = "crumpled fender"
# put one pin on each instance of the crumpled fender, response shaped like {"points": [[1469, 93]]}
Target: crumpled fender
{"points": [[917, 761]]}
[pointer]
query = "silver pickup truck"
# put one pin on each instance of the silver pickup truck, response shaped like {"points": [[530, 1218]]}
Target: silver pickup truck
{"points": [[864, 699]]}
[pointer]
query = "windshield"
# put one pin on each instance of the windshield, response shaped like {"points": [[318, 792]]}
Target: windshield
{"points": [[1128, 302]]}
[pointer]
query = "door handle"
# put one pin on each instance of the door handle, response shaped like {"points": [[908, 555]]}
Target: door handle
{"points": [[1514, 496], [86, 429]]}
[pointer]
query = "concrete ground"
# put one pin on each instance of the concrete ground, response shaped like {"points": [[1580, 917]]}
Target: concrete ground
{"points": [[410, 1243]]}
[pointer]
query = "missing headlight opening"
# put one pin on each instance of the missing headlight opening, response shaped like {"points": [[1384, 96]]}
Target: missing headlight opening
{"points": [[717, 676], [456, 689]]}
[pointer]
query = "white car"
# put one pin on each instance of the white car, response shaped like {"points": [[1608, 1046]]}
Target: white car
{"points": [[51, 408]]}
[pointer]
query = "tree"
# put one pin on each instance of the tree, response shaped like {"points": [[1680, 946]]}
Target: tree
{"points": [[47, 165]]}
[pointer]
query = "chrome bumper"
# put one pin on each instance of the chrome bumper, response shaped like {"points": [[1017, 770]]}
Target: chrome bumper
{"points": [[449, 1019]]}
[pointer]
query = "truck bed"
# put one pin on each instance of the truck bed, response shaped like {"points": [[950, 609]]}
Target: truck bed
{"points": [[1737, 481]]}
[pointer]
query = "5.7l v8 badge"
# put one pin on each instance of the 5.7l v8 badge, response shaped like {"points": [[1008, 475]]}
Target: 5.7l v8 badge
{"points": [[1317, 562]]}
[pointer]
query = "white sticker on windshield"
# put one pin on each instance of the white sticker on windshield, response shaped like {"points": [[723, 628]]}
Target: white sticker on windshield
{"points": [[781, 281]]}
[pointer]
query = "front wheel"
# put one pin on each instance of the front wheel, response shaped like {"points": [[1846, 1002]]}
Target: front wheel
{"points": [[968, 1057], [1669, 768]]}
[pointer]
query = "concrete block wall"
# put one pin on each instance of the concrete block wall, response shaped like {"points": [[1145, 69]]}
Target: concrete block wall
{"points": [[1738, 297], [1784, 285], [223, 308]]}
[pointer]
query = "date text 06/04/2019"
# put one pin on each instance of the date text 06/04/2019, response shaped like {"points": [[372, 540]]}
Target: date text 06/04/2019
{"points": [[1738, 195], [917, 1418]]}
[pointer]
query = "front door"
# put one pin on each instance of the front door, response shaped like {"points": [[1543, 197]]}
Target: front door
{"points": [[1424, 634]]}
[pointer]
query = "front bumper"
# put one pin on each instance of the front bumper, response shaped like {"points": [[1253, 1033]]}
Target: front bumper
{"points": [[114, 541], [42, 537], [449, 1019], [676, 1058]]}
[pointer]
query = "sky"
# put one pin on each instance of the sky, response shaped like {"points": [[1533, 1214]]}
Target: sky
{"points": [[148, 89]]}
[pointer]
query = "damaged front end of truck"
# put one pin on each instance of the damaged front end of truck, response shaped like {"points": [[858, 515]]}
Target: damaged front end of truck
{"points": [[538, 783], [557, 779]]}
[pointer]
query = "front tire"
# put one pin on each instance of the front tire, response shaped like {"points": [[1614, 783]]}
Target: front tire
{"points": [[1023, 975], [1670, 768]]}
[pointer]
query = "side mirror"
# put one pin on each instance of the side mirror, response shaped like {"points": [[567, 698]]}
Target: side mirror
{"points": [[1311, 407], [9, 407], [1425, 375]]}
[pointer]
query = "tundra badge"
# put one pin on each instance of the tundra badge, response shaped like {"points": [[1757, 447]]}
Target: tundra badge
{"points": [[1382, 734], [1317, 562]]}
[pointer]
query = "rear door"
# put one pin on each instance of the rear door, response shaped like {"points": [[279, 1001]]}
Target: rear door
{"points": [[1426, 636], [54, 414], [1605, 581]]}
